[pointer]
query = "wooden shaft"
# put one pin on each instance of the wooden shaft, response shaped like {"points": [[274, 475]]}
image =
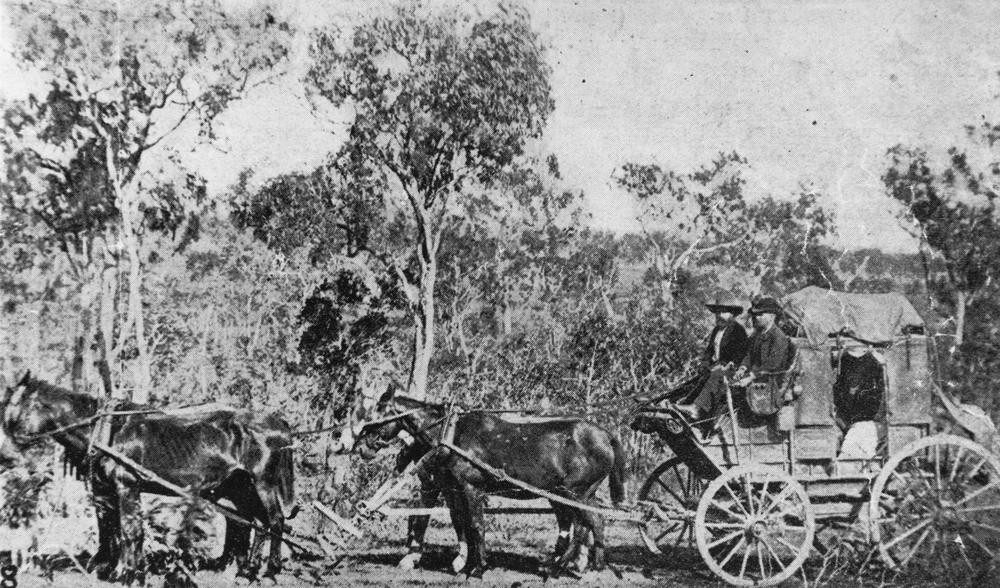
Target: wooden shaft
{"points": [[341, 521]]}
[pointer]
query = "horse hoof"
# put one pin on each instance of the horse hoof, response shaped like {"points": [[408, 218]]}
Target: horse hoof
{"points": [[409, 561]]}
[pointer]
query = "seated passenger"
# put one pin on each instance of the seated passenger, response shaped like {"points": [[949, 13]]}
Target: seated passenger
{"points": [[769, 357], [726, 346]]}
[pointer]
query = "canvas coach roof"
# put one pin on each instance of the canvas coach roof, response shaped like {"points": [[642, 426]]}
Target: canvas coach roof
{"points": [[872, 318]]}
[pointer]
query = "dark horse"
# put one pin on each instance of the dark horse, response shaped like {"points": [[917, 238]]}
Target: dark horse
{"points": [[217, 451], [568, 457]]}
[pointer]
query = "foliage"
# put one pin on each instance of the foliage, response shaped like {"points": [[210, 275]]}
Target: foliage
{"points": [[703, 216], [82, 173], [953, 211], [443, 101], [23, 490]]}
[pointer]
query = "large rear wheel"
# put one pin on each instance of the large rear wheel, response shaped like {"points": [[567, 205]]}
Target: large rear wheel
{"points": [[754, 526], [937, 502]]}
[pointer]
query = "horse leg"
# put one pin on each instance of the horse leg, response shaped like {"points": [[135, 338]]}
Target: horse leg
{"points": [[130, 562], [476, 531], [275, 523], [417, 525], [237, 541], [108, 525], [249, 505], [564, 518], [459, 511], [238, 489], [593, 522]]}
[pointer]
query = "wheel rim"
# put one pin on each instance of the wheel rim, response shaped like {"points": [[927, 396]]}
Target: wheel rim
{"points": [[754, 526], [672, 487], [938, 502]]}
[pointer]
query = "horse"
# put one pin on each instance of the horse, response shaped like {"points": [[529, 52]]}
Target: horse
{"points": [[218, 451], [566, 456]]}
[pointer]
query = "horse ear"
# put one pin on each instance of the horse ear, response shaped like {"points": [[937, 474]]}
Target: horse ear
{"points": [[25, 378]]}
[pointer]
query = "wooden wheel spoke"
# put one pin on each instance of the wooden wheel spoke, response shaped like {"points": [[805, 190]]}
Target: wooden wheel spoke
{"points": [[748, 488], [725, 538], [760, 561], [993, 528], [790, 547], [722, 508], [976, 540], [937, 467], [780, 498], [685, 528], [677, 474], [667, 532], [972, 473], [907, 534], [746, 557], [977, 493], [736, 500], [916, 546], [774, 554], [670, 492], [981, 508], [954, 466], [733, 551], [763, 490]]}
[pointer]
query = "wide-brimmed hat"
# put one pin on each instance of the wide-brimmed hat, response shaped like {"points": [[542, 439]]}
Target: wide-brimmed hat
{"points": [[725, 302], [766, 305]]}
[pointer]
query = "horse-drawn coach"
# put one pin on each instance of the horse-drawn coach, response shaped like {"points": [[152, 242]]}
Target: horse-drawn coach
{"points": [[851, 432], [750, 486]]}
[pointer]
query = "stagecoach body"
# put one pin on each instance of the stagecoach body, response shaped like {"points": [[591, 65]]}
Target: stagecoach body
{"points": [[713, 490]]}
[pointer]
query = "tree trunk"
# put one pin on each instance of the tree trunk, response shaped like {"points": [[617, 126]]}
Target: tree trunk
{"points": [[423, 335], [105, 331], [961, 301], [129, 208]]}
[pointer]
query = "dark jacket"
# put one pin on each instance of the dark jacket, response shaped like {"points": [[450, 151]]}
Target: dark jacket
{"points": [[770, 352], [733, 346]]}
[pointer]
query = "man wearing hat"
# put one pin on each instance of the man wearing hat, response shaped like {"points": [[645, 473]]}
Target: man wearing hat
{"points": [[727, 345], [770, 352]]}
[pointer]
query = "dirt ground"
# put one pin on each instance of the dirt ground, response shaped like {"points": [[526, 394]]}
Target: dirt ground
{"points": [[516, 547]]}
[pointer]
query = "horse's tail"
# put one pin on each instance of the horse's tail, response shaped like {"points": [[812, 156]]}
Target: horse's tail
{"points": [[616, 479]]}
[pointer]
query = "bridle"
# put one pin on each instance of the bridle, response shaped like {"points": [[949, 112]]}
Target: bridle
{"points": [[418, 433]]}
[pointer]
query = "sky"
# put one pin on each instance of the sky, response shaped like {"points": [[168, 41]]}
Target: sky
{"points": [[808, 91]]}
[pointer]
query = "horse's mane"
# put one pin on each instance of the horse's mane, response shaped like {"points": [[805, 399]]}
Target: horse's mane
{"points": [[83, 404], [79, 400]]}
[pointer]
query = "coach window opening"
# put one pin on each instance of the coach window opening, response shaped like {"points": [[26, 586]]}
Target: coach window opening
{"points": [[860, 384]]}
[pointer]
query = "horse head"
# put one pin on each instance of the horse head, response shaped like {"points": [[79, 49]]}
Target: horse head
{"points": [[9, 422], [395, 417], [33, 408]]}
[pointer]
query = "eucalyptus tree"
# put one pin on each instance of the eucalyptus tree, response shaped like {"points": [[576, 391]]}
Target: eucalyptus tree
{"points": [[92, 156]]}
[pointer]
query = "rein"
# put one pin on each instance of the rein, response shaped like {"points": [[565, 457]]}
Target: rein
{"points": [[83, 423]]}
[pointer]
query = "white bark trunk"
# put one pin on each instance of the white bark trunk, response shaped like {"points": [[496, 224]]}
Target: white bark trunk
{"points": [[961, 301]]}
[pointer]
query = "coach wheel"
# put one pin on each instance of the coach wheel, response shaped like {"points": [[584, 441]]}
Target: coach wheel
{"points": [[754, 526], [938, 502], [674, 490]]}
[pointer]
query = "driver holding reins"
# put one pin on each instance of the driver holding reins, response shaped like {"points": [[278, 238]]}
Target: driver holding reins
{"points": [[727, 345], [769, 353]]}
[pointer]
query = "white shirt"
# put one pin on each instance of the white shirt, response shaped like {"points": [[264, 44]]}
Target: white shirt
{"points": [[717, 344]]}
